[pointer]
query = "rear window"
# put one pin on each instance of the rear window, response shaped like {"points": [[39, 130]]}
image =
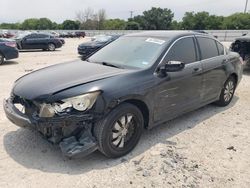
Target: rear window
{"points": [[183, 50], [208, 47], [220, 48]]}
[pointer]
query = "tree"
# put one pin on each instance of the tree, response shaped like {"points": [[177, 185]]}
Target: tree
{"points": [[237, 21], [70, 25], [91, 20], [101, 18], [114, 24], [44, 23], [132, 26], [155, 19], [29, 24], [201, 21]]}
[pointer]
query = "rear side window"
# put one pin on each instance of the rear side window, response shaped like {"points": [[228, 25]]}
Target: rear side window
{"points": [[220, 48], [183, 50], [208, 47]]}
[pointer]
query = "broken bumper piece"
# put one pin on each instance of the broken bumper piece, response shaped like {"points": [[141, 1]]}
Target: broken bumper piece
{"points": [[72, 133]]}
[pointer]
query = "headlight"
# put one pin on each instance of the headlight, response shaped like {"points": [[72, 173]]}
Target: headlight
{"points": [[79, 103]]}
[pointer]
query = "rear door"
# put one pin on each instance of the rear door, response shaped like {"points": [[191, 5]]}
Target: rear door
{"points": [[213, 60], [179, 91], [42, 41]]}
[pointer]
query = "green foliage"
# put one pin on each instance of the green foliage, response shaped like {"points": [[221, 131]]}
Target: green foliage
{"points": [[201, 21], [155, 19], [70, 25], [131, 25], [237, 21], [114, 24]]}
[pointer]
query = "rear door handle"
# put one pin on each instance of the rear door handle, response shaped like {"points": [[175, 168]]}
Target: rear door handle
{"points": [[224, 61]]}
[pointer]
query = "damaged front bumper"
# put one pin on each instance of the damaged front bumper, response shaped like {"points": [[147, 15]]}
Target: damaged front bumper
{"points": [[73, 133]]}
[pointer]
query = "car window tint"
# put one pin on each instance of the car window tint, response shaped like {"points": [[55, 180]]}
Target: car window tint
{"points": [[183, 50], [220, 48], [41, 36], [208, 47]]}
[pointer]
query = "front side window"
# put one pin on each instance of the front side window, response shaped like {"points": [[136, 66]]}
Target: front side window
{"points": [[208, 47], [183, 50]]}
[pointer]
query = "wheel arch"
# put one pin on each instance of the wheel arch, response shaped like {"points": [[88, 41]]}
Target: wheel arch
{"points": [[143, 107], [235, 76]]}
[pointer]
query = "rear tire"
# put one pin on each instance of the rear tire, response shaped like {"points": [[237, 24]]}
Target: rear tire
{"points": [[227, 92], [51, 47], [1, 59], [119, 132]]}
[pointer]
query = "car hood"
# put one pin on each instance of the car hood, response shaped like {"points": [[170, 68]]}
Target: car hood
{"points": [[42, 83]]}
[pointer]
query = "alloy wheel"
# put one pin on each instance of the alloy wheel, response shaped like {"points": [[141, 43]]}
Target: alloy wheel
{"points": [[51, 47], [229, 91], [123, 131], [1, 59]]}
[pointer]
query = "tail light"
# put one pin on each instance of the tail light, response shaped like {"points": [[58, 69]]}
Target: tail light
{"points": [[10, 44]]}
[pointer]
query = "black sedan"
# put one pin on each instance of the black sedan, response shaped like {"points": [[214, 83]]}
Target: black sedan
{"points": [[138, 81], [88, 48], [38, 41], [8, 50]]}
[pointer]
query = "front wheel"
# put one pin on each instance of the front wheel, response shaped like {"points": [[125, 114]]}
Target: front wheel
{"points": [[227, 92], [51, 47], [119, 132], [1, 59]]}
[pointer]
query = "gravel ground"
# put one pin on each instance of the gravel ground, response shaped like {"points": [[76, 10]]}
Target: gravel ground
{"points": [[209, 147]]}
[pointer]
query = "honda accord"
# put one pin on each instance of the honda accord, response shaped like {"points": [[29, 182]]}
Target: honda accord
{"points": [[137, 82]]}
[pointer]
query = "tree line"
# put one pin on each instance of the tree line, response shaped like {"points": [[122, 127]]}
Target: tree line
{"points": [[153, 19]]}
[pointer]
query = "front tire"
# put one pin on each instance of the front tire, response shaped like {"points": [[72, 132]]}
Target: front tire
{"points": [[227, 92], [51, 47], [1, 59], [119, 132]]}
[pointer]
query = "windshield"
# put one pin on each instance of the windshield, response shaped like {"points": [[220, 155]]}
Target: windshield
{"points": [[102, 38], [136, 52]]}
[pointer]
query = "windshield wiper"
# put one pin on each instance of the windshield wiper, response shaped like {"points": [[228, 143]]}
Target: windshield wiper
{"points": [[111, 65]]}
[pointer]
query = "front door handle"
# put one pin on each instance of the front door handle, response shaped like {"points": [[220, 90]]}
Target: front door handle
{"points": [[197, 70]]}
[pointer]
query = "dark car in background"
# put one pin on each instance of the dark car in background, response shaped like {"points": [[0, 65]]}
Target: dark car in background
{"points": [[138, 81], [242, 46], [8, 50], [38, 41], [80, 34], [88, 48]]}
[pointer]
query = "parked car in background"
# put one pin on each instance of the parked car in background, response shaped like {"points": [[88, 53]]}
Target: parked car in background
{"points": [[138, 81], [8, 50], [80, 34], [242, 46], [88, 48], [38, 41]]}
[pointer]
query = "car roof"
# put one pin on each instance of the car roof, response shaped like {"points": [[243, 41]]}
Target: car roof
{"points": [[165, 34]]}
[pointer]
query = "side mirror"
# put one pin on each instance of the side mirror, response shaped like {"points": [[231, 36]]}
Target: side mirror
{"points": [[171, 66]]}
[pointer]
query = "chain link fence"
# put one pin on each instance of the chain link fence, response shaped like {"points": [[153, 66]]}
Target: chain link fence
{"points": [[222, 35]]}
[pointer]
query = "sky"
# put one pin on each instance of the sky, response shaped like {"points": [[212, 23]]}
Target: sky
{"points": [[59, 10]]}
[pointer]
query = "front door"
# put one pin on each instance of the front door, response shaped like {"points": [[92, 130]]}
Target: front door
{"points": [[179, 91]]}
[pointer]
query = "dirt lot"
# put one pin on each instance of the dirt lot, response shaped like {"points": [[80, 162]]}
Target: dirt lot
{"points": [[209, 147]]}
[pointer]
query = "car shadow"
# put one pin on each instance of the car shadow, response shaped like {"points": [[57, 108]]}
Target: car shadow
{"points": [[29, 149], [7, 62], [39, 50], [246, 71]]}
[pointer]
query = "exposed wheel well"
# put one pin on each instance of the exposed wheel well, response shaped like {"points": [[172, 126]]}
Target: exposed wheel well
{"points": [[235, 76], [142, 107]]}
